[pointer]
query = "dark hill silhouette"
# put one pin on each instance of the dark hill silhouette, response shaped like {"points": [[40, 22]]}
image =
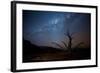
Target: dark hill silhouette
{"points": [[34, 53], [28, 47]]}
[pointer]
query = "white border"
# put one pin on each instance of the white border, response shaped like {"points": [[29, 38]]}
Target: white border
{"points": [[21, 66]]}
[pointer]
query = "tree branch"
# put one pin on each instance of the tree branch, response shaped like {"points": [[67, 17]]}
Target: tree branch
{"points": [[57, 44], [65, 44]]}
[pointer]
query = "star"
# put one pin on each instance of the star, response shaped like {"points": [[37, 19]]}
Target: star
{"points": [[68, 16]]}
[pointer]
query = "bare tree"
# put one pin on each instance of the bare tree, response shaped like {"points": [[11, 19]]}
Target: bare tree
{"points": [[69, 35], [68, 45]]}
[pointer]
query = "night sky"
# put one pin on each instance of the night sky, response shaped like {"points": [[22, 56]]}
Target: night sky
{"points": [[44, 27]]}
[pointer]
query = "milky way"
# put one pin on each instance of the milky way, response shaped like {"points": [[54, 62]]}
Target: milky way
{"points": [[44, 27]]}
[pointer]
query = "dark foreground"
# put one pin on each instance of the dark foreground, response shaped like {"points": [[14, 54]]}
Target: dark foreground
{"points": [[33, 53]]}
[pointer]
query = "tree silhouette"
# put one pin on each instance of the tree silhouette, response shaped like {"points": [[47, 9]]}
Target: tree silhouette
{"points": [[69, 35], [68, 45]]}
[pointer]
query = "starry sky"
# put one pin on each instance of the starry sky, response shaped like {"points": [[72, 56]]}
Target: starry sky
{"points": [[44, 27]]}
